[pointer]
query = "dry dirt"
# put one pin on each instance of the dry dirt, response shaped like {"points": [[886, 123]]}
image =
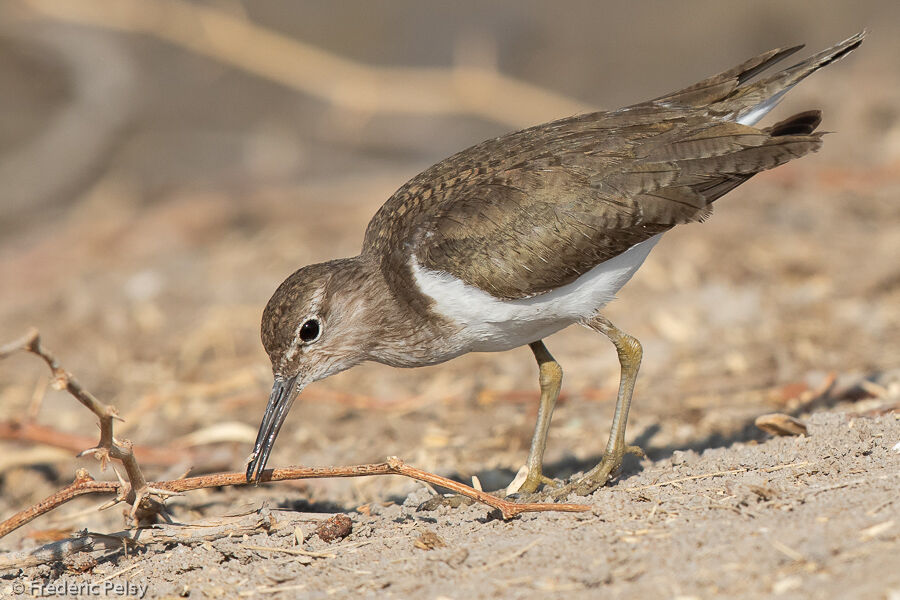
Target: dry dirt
{"points": [[146, 258], [793, 517]]}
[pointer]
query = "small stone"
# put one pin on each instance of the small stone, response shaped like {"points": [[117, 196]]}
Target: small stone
{"points": [[335, 528]]}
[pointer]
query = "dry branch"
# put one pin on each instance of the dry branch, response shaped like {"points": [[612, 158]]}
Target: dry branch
{"points": [[137, 491], [48, 553], [24, 431], [195, 533], [341, 82], [85, 484]]}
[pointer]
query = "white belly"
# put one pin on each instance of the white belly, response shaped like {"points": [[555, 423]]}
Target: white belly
{"points": [[488, 324]]}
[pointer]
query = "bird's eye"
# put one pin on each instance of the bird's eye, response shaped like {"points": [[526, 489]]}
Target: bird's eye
{"points": [[310, 330]]}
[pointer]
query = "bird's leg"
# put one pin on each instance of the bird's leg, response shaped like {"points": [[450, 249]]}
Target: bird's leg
{"points": [[630, 353], [550, 381]]}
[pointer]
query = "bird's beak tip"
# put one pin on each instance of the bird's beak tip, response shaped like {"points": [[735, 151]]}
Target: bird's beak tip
{"points": [[283, 393], [251, 465]]}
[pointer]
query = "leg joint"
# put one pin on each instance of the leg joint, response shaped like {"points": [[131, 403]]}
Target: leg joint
{"points": [[630, 351], [550, 373], [630, 346]]}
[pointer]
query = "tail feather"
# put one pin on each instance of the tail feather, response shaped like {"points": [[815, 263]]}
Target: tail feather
{"points": [[679, 177], [800, 124], [750, 102], [719, 86], [732, 96]]}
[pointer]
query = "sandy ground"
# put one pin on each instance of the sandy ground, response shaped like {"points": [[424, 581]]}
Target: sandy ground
{"points": [[791, 517], [146, 256]]}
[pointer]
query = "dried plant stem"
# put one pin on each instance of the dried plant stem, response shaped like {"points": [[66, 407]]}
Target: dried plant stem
{"points": [[85, 484], [28, 431], [205, 530], [341, 82], [48, 553], [137, 491]]}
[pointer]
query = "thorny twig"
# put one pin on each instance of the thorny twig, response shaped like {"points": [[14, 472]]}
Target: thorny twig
{"points": [[85, 484], [27, 431], [137, 491]]}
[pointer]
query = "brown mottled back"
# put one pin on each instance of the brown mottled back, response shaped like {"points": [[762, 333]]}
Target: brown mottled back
{"points": [[584, 189]]}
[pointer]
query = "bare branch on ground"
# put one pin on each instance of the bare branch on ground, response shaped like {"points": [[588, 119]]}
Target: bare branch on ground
{"points": [[139, 493]]}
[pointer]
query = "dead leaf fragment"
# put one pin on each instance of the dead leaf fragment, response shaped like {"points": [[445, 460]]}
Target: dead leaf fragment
{"points": [[781, 424], [429, 540], [80, 562]]}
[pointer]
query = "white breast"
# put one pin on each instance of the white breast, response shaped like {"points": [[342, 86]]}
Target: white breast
{"points": [[488, 324]]}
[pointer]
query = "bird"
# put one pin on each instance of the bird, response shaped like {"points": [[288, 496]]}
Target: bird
{"points": [[523, 235]]}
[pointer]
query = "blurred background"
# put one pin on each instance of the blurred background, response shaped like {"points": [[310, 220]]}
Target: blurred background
{"points": [[165, 164]]}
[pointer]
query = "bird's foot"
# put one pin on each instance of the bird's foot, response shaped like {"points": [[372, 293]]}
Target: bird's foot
{"points": [[554, 490], [451, 501], [598, 476], [528, 480], [522, 489]]}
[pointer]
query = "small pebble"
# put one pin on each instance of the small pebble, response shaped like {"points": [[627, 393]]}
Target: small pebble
{"points": [[678, 458], [335, 528]]}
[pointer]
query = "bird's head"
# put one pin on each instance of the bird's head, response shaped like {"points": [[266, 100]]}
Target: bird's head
{"points": [[313, 326]]}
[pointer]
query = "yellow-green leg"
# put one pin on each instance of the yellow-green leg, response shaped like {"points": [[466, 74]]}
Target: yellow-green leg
{"points": [[550, 379], [630, 354]]}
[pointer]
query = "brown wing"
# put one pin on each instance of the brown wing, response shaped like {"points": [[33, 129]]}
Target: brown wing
{"points": [[519, 215]]}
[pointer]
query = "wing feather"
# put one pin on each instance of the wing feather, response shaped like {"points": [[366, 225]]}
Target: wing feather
{"points": [[533, 210]]}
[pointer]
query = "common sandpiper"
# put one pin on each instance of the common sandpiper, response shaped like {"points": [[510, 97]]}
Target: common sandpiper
{"points": [[516, 238]]}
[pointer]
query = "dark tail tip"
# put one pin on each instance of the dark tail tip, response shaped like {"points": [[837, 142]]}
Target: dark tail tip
{"points": [[847, 46], [799, 124]]}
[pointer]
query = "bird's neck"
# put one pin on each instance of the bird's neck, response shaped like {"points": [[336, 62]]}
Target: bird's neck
{"points": [[394, 316]]}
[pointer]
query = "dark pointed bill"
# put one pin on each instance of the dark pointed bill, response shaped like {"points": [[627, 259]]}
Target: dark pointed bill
{"points": [[283, 393]]}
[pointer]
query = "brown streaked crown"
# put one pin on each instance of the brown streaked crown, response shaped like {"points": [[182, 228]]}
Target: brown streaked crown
{"points": [[301, 295]]}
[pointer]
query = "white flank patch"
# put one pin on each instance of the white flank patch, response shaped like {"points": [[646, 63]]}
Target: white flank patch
{"points": [[489, 324], [762, 109]]}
